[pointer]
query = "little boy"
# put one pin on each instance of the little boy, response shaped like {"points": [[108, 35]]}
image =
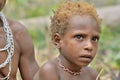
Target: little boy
{"points": [[75, 30]]}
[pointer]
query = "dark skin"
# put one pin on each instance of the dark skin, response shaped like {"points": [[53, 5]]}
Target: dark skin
{"points": [[23, 57], [77, 49]]}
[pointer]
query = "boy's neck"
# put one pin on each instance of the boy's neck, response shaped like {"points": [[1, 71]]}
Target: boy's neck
{"points": [[68, 64], [66, 69]]}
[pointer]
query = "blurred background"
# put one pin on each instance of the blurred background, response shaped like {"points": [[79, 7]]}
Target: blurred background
{"points": [[35, 15]]}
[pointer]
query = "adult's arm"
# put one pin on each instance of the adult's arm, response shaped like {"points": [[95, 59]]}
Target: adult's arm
{"points": [[27, 64]]}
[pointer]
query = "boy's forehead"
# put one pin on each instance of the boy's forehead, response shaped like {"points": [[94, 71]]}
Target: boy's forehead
{"points": [[83, 21]]}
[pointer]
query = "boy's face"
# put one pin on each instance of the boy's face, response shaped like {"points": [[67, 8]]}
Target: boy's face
{"points": [[80, 42], [2, 3]]}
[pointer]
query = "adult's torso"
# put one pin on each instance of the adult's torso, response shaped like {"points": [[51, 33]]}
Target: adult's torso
{"points": [[3, 55]]}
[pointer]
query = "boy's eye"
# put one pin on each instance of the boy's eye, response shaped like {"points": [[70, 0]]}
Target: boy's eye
{"points": [[95, 39], [80, 37]]}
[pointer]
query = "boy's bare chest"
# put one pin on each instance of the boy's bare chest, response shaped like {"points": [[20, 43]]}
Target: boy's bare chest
{"points": [[80, 77], [66, 76]]}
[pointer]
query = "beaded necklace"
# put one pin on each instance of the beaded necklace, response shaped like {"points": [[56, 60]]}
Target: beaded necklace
{"points": [[9, 45], [76, 73], [68, 70]]}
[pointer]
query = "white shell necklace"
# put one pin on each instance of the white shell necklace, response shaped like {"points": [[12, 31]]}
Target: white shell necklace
{"points": [[9, 46]]}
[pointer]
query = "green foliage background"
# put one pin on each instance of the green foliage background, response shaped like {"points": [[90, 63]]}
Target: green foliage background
{"points": [[110, 44], [34, 8], [29, 8]]}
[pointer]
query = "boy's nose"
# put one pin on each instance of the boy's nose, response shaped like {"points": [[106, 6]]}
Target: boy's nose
{"points": [[88, 46]]}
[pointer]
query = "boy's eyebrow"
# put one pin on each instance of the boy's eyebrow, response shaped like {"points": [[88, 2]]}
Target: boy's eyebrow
{"points": [[84, 33]]}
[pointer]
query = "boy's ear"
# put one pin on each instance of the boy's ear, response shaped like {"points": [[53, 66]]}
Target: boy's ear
{"points": [[57, 39]]}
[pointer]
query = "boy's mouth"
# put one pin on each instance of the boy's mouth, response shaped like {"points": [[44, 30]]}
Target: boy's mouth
{"points": [[86, 58]]}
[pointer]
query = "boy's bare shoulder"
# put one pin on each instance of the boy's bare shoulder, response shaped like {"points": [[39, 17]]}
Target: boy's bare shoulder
{"points": [[48, 71], [49, 66]]}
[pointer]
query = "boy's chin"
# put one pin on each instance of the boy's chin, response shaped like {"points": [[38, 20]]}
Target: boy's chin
{"points": [[84, 64]]}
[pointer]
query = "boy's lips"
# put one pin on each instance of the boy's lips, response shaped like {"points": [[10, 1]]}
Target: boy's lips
{"points": [[86, 58]]}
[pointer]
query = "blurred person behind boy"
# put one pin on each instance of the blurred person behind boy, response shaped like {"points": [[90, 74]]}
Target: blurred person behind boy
{"points": [[16, 49]]}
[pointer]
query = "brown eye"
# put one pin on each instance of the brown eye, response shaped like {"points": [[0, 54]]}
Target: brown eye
{"points": [[79, 37], [95, 39]]}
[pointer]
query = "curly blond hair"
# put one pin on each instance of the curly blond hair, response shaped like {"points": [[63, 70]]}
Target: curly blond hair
{"points": [[68, 9]]}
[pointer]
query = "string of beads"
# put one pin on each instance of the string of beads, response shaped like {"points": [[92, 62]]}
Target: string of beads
{"points": [[68, 70]]}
